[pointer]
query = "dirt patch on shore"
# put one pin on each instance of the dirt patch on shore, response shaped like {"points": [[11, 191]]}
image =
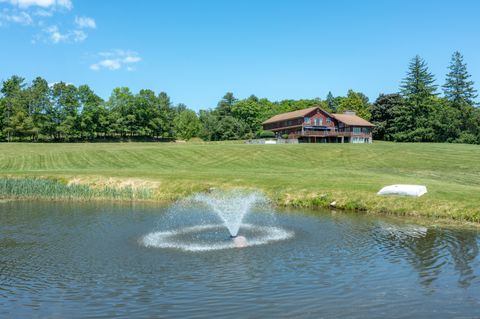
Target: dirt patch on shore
{"points": [[113, 182]]}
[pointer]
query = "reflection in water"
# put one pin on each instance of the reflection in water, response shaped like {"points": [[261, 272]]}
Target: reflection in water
{"points": [[428, 251], [463, 248], [90, 260], [427, 256]]}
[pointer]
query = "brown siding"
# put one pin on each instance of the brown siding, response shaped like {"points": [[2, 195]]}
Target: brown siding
{"points": [[320, 115]]}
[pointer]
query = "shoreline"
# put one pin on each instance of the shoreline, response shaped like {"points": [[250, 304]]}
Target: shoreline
{"points": [[307, 176], [310, 203]]}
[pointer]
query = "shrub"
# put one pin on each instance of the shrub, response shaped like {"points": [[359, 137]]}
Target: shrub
{"points": [[285, 136], [466, 138], [249, 136], [267, 134]]}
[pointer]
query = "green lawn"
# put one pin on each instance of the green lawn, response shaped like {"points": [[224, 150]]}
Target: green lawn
{"points": [[300, 175]]}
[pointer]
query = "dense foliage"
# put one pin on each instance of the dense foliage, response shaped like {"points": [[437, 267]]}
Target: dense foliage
{"points": [[39, 111]]}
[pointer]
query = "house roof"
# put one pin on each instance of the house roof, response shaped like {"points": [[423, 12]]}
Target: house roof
{"points": [[290, 115], [351, 120], [348, 119]]}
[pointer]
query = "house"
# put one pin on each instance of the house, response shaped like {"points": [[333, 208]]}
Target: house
{"points": [[315, 125]]}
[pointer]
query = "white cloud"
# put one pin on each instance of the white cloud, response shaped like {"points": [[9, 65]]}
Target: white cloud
{"points": [[107, 64], [116, 60], [85, 23], [64, 4], [131, 59], [22, 18], [43, 13], [55, 36], [39, 15]]}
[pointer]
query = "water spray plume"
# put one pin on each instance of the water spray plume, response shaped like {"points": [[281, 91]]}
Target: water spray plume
{"points": [[230, 206]]}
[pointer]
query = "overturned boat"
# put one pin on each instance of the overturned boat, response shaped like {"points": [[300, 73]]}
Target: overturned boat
{"points": [[403, 190]]}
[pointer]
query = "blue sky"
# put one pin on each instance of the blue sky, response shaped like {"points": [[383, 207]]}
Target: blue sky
{"points": [[198, 50]]}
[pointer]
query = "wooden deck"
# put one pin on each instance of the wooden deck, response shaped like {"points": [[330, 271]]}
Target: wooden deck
{"points": [[329, 134]]}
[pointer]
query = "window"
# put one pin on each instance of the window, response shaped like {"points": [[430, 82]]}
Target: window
{"points": [[318, 121], [357, 130], [329, 120], [306, 120]]}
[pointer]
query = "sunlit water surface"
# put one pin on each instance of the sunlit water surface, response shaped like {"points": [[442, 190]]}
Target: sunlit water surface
{"points": [[104, 261]]}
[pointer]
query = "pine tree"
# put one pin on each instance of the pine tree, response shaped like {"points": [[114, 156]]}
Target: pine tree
{"points": [[332, 104], [413, 120], [419, 85], [458, 88]]}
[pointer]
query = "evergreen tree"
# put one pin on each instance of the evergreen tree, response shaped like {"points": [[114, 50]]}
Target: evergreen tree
{"points": [[383, 111], [224, 107], [331, 102], [413, 120], [418, 86], [458, 88]]}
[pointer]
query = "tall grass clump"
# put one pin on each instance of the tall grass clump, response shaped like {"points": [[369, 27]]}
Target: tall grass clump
{"points": [[39, 188]]}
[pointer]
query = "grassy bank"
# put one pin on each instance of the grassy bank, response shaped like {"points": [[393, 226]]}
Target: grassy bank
{"points": [[307, 175]]}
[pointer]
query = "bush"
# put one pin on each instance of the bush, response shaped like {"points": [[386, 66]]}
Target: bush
{"points": [[249, 136], [267, 134], [285, 136], [467, 138]]}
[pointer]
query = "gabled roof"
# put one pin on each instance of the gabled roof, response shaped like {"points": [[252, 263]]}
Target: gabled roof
{"points": [[347, 119], [351, 120], [290, 115]]}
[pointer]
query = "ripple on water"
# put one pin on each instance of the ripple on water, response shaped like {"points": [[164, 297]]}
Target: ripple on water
{"points": [[209, 237]]}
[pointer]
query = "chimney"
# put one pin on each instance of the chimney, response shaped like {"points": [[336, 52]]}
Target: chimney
{"points": [[350, 112]]}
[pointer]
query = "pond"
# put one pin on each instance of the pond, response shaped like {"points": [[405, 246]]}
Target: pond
{"points": [[103, 260]]}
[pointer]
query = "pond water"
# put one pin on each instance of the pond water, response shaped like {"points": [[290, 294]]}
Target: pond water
{"points": [[77, 260]]}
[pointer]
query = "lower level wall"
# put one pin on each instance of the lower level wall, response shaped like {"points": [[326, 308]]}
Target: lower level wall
{"points": [[272, 141], [335, 139]]}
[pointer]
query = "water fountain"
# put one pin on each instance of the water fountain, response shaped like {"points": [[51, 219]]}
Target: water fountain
{"points": [[218, 219]]}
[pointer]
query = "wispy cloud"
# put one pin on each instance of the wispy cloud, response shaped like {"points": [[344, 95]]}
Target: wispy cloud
{"points": [[63, 4], [116, 60], [85, 23], [21, 18], [54, 35], [39, 14]]}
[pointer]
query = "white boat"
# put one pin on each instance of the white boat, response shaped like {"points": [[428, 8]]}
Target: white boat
{"points": [[403, 190]]}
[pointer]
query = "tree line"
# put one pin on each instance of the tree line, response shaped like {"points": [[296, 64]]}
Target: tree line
{"points": [[39, 111]]}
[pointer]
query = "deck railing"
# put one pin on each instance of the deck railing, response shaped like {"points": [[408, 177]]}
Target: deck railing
{"points": [[331, 133]]}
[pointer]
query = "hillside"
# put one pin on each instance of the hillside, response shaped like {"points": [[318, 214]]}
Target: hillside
{"points": [[298, 175]]}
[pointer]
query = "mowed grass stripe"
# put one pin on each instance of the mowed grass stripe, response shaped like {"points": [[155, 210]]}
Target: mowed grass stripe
{"points": [[345, 173]]}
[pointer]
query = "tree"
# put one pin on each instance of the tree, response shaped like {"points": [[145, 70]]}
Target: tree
{"points": [[413, 120], [146, 110], [39, 105], [121, 108], [383, 112], [230, 128], [166, 114], [92, 119], [224, 107], [251, 112], [187, 125], [65, 113], [331, 102], [209, 122], [14, 100], [458, 89], [355, 101], [418, 86]]}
